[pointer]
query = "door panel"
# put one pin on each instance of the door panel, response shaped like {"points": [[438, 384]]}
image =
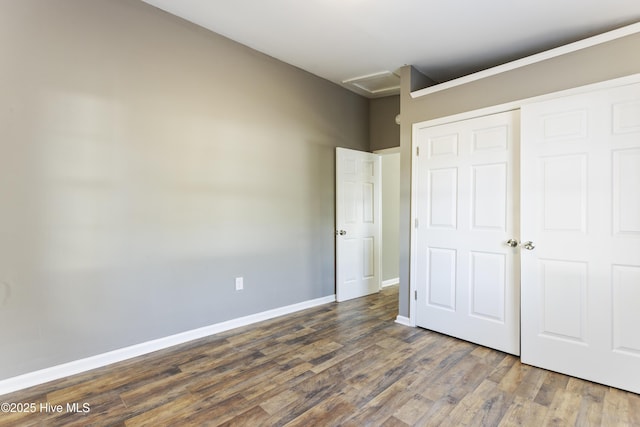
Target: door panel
{"points": [[564, 297], [442, 278], [489, 203], [487, 285], [565, 193], [467, 209], [581, 208], [442, 198], [358, 223], [626, 294], [626, 203]]}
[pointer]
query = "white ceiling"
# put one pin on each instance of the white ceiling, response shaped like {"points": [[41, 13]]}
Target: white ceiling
{"points": [[344, 39]]}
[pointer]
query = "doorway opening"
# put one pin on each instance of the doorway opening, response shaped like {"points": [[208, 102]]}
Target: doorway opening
{"points": [[390, 188]]}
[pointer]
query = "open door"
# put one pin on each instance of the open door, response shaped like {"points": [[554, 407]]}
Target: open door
{"points": [[358, 225]]}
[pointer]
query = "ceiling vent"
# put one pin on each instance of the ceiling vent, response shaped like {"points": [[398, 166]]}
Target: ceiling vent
{"points": [[375, 85]]}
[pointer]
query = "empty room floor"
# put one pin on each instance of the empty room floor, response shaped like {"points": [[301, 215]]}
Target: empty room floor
{"points": [[345, 364]]}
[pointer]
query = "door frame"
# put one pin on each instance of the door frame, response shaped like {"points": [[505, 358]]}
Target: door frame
{"points": [[384, 152], [514, 105]]}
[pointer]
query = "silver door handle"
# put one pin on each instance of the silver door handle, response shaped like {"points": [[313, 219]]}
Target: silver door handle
{"points": [[528, 245], [512, 243], [341, 232]]}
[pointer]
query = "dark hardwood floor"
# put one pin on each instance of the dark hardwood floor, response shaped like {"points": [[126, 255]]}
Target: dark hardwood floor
{"points": [[344, 364]]}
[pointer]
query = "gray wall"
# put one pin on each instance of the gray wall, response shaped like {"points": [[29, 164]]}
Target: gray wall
{"points": [[390, 214], [606, 61], [145, 163], [384, 132]]}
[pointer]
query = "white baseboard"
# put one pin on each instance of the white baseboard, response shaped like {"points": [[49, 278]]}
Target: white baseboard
{"points": [[390, 282], [404, 321], [42, 376]]}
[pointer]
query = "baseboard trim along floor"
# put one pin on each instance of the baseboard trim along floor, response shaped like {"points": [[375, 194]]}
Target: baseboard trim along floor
{"points": [[78, 366], [390, 282], [404, 321]]}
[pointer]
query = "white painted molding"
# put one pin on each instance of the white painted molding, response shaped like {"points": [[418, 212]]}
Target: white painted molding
{"points": [[78, 366], [532, 59], [517, 104], [404, 321], [391, 282]]}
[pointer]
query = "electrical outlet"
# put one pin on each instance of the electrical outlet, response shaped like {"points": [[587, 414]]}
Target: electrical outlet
{"points": [[239, 283]]}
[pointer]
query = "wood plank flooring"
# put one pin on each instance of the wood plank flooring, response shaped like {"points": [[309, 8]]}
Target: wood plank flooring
{"points": [[344, 364]]}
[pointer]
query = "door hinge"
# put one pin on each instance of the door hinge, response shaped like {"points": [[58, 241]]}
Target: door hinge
{"points": [[415, 295], [418, 151], [415, 222]]}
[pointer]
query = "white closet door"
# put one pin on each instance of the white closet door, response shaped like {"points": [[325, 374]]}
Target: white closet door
{"points": [[467, 276], [581, 210]]}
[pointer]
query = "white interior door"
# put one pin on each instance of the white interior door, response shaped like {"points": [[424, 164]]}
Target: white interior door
{"points": [[466, 195], [581, 210], [358, 224]]}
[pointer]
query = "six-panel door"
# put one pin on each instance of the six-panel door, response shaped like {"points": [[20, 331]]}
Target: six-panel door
{"points": [[358, 223], [467, 198], [581, 208]]}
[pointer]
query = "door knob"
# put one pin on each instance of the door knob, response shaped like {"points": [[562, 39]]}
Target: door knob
{"points": [[341, 232], [528, 245], [512, 243]]}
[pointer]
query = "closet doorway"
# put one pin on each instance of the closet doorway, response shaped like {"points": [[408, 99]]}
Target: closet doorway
{"points": [[572, 241]]}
